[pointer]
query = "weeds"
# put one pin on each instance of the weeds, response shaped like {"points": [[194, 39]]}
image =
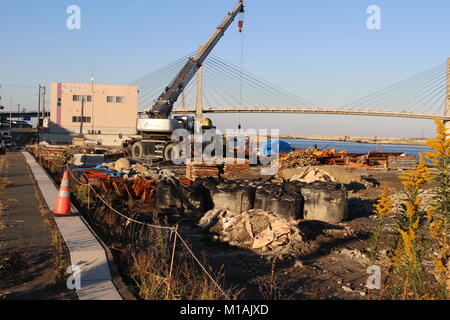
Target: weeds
{"points": [[3, 184], [270, 290], [11, 268], [145, 254], [423, 237], [383, 208], [439, 214], [4, 267]]}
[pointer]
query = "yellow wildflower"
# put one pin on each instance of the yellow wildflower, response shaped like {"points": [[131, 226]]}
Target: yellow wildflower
{"points": [[384, 204]]}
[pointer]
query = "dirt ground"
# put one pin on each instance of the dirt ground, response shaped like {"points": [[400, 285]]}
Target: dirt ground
{"points": [[333, 264]]}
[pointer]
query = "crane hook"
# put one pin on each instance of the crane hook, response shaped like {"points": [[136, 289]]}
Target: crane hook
{"points": [[240, 25]]}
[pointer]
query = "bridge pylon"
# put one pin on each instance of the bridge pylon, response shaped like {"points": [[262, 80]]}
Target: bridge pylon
{"points": [[447, 100]]}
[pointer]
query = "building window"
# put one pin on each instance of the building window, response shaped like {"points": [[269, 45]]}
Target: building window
{"points": [[78, 119], [59, 102], [79, 98], [113, 99]]}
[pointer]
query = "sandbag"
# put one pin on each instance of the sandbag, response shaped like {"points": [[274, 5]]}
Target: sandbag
{"points": [[325, 202], [285, 201], [175, 199], [193, 201], [233, 198], [204, 186], [168, 199]]}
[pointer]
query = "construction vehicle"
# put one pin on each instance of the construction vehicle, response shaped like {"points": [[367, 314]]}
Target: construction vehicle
{"points": [[156, 125]]}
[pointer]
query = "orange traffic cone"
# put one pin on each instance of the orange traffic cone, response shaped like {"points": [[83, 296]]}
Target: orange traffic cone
{"points": [[62, 206]]}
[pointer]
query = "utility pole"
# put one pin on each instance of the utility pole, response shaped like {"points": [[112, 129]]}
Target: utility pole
{"points": [[10, 112], [92, 100], [18, 112], [43, 101], [199, 100], [39, 107], [82, 116]]}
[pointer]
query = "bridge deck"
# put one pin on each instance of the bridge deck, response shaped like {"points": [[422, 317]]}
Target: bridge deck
{"points": [[316, 111]]}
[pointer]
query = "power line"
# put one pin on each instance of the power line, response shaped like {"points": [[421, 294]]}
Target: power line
{"points": [[16, 86]]}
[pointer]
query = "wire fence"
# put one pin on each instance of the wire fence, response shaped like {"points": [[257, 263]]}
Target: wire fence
{"points": [[173, 229]]}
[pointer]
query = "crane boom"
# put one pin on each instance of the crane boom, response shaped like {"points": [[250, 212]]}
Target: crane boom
{"points": [[164, 104]]}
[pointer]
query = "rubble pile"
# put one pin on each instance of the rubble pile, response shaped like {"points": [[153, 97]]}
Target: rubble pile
{"points": [[311, 175], [302, 158], [257, 230]]}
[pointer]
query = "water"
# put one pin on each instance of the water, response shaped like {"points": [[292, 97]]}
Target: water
{"points": [[353, 147]]}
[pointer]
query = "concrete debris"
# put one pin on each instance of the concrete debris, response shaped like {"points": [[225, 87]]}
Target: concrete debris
{"points": [[347, 289], [311, 175], [299, 264], [355, 254], [122, 164], [256, 230]]}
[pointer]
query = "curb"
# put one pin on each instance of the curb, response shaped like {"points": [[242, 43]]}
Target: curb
{"points": [[104, 281]]}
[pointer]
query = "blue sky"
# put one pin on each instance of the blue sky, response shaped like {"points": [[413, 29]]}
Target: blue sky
{"points": [[320, 50]]}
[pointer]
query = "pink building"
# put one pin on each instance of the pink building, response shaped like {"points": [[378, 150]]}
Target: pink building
{"points": [[107, 109]]}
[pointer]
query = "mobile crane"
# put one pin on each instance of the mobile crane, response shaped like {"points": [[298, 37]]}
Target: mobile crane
{"points": [[155, 126]]}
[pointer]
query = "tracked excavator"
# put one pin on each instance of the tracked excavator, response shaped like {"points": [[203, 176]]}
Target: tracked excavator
{"points": [[156, 125]]}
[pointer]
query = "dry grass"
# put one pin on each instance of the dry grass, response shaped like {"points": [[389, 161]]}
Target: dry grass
{"points": [[144, 256], [270, 290]]}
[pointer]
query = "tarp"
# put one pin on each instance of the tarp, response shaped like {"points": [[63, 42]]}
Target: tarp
{"points": [[275, 146]]}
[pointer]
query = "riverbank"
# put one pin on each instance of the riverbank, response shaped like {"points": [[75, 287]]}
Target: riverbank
{"points": [[366, 140]]}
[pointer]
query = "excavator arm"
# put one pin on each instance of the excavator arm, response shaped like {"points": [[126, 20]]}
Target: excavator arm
{"points": [[164, 104]]}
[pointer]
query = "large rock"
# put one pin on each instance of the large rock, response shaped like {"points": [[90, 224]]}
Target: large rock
{"points": [[325, 202]]}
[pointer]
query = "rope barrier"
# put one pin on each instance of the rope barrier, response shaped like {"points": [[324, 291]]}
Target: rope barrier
{"points": [[174, 230]]}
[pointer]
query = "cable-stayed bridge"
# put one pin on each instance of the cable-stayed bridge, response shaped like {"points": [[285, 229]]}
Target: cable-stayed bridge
{"points": [[227, 88]]}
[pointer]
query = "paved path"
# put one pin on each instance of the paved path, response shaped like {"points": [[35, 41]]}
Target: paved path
{"points": [[28, 236], [86, 251]]}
